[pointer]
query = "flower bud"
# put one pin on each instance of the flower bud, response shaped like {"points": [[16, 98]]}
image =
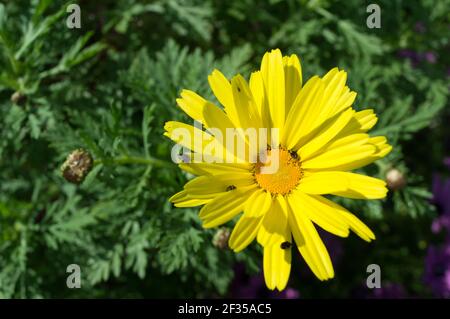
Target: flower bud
{"points": [[395, 179], [220, 239], [77, 166], [18, 98]]}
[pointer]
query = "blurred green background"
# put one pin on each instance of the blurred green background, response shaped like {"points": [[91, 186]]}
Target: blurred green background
{"points": [[109, 86]]}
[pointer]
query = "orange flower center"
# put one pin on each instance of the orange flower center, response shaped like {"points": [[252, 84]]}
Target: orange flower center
{"points": [[281, 178]]}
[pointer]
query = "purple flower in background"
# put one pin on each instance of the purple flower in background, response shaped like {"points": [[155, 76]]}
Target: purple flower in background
{"points": [[441, 198], [419, 27], [437, 270], [417, 57], [389, 291], [437, 260], [440, 223], [430, 57], [447, 160], [411, 55], [288, 293], [406, 53]]}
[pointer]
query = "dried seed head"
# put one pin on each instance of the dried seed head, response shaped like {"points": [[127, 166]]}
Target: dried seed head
{"points": [[18, 98], [220, 239], [395, 179], [77, 166]]}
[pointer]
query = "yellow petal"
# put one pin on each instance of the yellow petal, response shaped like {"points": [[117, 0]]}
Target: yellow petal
{"points": [[361, 122], [248, 226], [181, 199], [215, 168], [258, 204], [343, 184], [188, 136], [358, 227], [318, 101], [337, 96], [274, 223], [246, 108], [259, 96], [224, 207], [348, 153], [341, 153], [382, 151], [303, 112], [244, 232], [360, 186], [327, 132], [309, 243], [258, 92], [221, 88], [366, 119], [322, 183], [216, 118], [273, 77], [220, 126], [292, 79], [380, 142], [209, 185], [345, 216], [346, 100], [277, 265], [321, 214], [348, 141], [334, 82], [192, 104]]}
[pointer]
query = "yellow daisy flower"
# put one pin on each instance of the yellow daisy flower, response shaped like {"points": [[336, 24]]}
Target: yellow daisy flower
{"points": [[320, 139]]}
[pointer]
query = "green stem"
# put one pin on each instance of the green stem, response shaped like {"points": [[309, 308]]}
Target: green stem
{"points": [[135, 160]]}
